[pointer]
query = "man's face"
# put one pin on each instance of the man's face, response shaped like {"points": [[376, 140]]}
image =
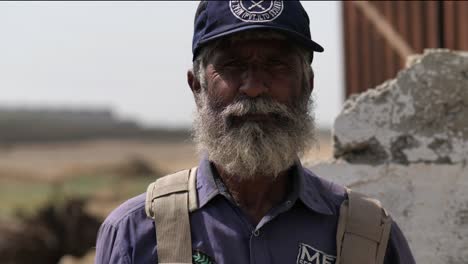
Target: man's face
{"points": [[252, 117], [254, 68]]}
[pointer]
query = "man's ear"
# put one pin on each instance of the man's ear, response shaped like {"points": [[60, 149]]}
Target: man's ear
{"points": [[311, 82], [193, 82]]}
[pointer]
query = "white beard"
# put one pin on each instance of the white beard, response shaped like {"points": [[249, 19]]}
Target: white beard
{"points": [[253, 149]]}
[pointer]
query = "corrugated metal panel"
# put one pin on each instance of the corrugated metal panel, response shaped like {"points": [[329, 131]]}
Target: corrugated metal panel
{"points": [[373, 55], [449, 24], [432, 39], [351, 53], [456, 27], [463, 25], [390, 57]]}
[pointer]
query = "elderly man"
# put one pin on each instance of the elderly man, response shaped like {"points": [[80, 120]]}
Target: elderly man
{"points": [[249, 200]]}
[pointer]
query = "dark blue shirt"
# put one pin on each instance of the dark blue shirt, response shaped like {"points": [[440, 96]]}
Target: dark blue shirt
{"points": [[301, 228]]}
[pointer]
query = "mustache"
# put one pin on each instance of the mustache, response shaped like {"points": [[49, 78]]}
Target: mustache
{"points": [[245, 106]]}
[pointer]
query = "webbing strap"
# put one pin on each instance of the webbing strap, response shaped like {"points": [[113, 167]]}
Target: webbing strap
{"points": [[169, 201], [174, 243], [363, 231], [192, 195]]}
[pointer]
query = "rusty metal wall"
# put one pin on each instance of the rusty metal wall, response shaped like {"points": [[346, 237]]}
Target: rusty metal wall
{"points": [[370, 58], [455, 15]]}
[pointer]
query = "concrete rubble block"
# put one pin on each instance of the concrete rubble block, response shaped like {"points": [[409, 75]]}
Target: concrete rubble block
{"points": [[421, 116], [428, 201]]}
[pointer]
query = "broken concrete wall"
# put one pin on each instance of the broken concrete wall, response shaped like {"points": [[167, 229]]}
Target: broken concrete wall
{"points": [[428, 201], [406, 143], [421, 116]]}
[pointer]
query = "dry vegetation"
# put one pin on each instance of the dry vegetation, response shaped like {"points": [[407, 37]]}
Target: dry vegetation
{"points": [[105, 172]]}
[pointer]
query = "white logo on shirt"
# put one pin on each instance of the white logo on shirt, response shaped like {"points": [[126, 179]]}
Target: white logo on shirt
{"points": [[310, 255], [256, 11]]}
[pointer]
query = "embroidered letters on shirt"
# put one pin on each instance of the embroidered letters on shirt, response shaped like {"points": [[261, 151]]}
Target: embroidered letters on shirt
{"points": [[310, 255]]}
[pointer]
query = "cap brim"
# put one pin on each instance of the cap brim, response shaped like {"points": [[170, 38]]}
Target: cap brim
{"points": [[310, 44]]}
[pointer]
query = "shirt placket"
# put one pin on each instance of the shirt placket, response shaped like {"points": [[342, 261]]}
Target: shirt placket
{"points": [[258, 248], [258, 239], [258, 242]]}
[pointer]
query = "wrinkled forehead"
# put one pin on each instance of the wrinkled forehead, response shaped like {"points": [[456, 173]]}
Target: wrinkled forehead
{"points": [[257, 50], [254, 43]]}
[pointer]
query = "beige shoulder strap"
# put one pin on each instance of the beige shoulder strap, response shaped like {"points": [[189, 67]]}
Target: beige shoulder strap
{"points": [[169, 201], [363, 231]]}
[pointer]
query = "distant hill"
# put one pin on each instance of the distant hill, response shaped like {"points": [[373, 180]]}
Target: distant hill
{"points": [[44, 125]]}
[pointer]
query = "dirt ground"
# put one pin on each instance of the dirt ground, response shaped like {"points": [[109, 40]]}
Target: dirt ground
{"points": [[53, 160], [39, 162]]}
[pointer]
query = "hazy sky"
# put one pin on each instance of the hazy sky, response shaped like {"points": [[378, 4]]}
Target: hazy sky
{"points": [[131, 57]]}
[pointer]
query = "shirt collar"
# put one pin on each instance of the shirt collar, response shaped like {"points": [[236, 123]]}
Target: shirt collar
{"points": [[311, 192], [305, 187], [206, 185]]}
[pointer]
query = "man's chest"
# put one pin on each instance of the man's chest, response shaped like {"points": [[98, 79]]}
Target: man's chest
{"points": [[298, 235]]}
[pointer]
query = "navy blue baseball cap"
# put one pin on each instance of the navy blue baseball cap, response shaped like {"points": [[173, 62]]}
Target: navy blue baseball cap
{"points": [[216, 19]]}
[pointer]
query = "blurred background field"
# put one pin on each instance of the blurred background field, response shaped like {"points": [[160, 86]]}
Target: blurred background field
{"points": [[60, 187], [106, 171]]}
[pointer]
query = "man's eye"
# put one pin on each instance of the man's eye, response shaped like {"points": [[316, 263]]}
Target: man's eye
{"points": [[277, 63], [233, 64]]}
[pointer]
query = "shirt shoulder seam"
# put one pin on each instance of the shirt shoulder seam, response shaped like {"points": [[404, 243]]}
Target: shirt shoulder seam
{"points": [[119, 220]]}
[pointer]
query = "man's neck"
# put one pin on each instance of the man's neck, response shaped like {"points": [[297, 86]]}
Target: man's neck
{"points": [[256, 195]]}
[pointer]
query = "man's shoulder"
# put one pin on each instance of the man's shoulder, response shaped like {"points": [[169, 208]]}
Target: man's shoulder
{"points": [[126, 227], [132, 208], [330, 191], [324, 186]]}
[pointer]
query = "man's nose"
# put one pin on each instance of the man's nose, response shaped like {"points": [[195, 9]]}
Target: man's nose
{"points": [[255, 82]]}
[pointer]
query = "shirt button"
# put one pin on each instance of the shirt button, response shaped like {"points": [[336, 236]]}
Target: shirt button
{"points": [[256, 233], [288, 202]]}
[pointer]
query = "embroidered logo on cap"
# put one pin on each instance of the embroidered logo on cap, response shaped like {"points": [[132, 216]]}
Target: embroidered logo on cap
{"points": [[256, 11], [310, 255]]}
